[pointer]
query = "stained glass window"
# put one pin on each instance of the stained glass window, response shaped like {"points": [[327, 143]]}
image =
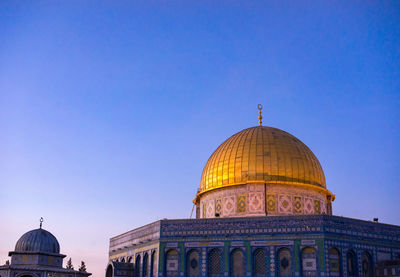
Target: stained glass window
{"points": [[237, 263], [284, 263], [214, 263], [193, 264], [260, 263]]}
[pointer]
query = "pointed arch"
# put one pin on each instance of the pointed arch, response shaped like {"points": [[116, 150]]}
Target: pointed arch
{"points": [[152, 264], [171, 263], [214, 263], [351, 259], [335, 263], [367, 268], [309, 262], [193, 263], [237, 263], [145, 265], [259, 263], [109, 271], [284, 262], [137, 266]]}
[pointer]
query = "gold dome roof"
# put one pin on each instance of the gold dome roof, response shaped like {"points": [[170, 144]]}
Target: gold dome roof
{"points": [[262, 154]]}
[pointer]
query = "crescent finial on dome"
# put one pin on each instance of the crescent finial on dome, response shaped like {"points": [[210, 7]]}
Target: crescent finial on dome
{"points": [[259, 114]]}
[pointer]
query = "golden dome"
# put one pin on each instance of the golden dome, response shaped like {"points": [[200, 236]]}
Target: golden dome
{"points": [[262, 154]]}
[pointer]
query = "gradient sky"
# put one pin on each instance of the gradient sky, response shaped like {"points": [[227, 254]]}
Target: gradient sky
{"points": [[110, 109]]}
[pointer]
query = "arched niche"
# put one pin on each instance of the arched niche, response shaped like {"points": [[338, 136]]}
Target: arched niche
{"points": [[109, 271], [334, 262], [309, 262], [259, 263], [193, 263], [152, 264], [145, 265], [284, 262], [367, 268], [171, 263], [214, 260], [237, 268], [137, 266], [351, 264]]}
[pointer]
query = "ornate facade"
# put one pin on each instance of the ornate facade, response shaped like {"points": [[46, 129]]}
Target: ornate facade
{"points": [[307, 245], [262, 210]]}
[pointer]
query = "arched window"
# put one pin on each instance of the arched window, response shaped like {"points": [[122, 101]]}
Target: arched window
{"points": [[152, 265], [351, 264], [284, 263], [334, 263], [367, 266], [193, 264], [172, 262], [145, 269], [109, 271], [137, 266], [237, 267], [214, 263], [309, 262], [122, 260], [259, 263], [130, 260]]}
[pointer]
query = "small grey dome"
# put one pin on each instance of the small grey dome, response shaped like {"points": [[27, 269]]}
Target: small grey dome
{"points": [[38, 240]]}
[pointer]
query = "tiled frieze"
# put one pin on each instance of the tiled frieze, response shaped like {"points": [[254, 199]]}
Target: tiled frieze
{"points": [[317, 206], [241, 204], [210, 208], [271, 203], [256, 203], [308, 205], [252, 200], [285, 204], [218, 206], [297, 205], [228, 204]]}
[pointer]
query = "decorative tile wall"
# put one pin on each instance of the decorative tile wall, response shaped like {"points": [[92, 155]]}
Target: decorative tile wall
{"points": [[252, 200]]}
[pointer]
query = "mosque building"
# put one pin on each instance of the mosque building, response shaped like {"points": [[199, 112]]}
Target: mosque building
{"points": [[263, 209], [37, 254]]}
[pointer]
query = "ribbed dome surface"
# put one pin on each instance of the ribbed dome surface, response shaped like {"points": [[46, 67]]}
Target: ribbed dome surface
{"points": [[262, 154], [38, 240]]}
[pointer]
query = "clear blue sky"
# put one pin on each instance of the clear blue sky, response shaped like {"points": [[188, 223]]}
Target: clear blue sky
{"points": [[110, 109]]}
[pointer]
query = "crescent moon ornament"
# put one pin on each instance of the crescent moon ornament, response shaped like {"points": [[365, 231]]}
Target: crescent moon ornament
{"points": [[259, 114]]}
